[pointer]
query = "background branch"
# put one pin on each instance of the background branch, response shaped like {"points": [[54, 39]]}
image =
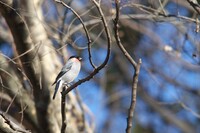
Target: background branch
{"points": [[135, 65]]}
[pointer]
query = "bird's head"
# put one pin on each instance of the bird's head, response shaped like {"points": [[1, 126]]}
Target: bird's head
{"points": [[76, 57]]}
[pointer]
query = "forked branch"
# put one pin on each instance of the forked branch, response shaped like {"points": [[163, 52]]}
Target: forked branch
{"points": [[135, 65]]}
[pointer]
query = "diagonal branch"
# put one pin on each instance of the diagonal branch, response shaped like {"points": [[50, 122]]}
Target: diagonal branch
{"points": [[84, 27], [11, 125], [194, 5], [116, 31], [96, 70]]}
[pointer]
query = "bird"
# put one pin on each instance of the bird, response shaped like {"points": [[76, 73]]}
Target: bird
{"points": [[68, 73]]}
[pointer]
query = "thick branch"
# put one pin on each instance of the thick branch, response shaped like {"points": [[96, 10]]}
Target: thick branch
{"points": [[23, 44]]}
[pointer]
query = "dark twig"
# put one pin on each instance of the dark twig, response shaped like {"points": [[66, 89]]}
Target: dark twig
{"points": [[195, 6], [12, 125], [63, 113], [116, 30], [63, 24], [135, 65], [61, 33], [96, 70], [84, 27]]}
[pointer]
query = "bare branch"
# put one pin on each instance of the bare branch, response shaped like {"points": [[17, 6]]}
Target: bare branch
{"points": [[86, 31], [63, 112], [96, 70], [133, 98], [135, 65], [116, 30]]}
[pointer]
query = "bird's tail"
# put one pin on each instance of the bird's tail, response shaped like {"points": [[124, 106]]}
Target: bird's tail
{"points": [[58, 85]]}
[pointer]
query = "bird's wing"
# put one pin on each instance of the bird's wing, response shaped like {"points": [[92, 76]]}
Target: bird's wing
{"points": [[65, 69], [58, 85], [67, 66]]}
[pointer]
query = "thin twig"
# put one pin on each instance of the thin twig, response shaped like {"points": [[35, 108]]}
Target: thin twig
{"points": [[61, 33], [63, 113], [22, 112], [84, 27], [17, 66], [11, 103], [63, 24], [135, 65], [116, 30], [96, 70], [161, 7]]}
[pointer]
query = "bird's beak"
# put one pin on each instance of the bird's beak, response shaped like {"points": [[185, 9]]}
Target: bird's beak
{"points": [[80, 59]]}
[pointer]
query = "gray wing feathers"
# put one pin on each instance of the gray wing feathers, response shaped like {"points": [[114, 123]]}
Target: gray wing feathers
{"points": [[58, 84], [65, 69], [59, 76]]}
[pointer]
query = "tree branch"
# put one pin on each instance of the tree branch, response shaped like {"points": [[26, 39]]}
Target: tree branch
{"points": [[8, 126], [133, 97], [135, 65], [96, 70], [84, 27], [63, 112]]}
